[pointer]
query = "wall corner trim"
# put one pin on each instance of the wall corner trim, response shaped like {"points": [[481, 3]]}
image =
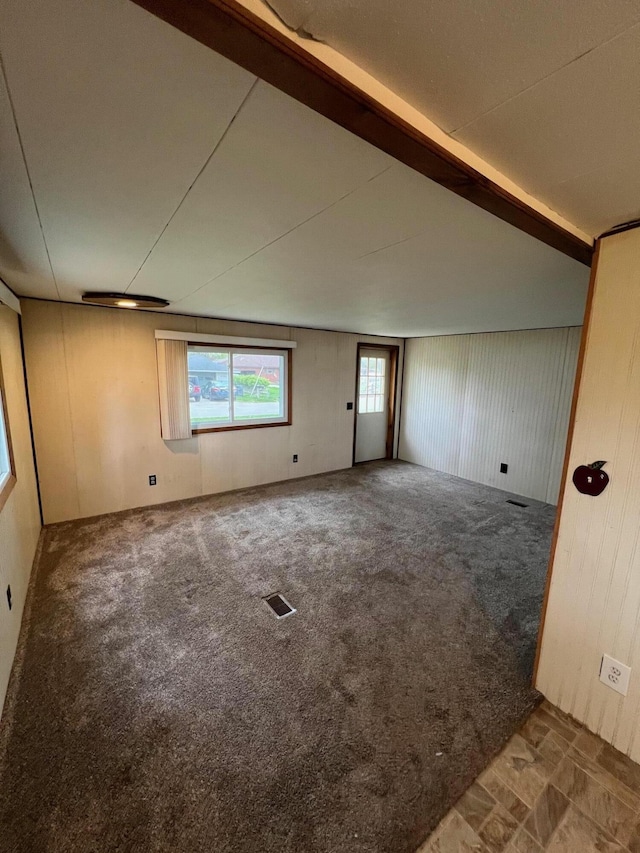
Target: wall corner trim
{"points": [[567, 453]]}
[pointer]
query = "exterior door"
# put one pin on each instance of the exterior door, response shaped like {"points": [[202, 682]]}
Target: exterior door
{"points": [[372, 413]]}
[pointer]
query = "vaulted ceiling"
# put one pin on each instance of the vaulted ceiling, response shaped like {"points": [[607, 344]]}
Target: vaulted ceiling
{"points": [[135, 159], [545, 91]]}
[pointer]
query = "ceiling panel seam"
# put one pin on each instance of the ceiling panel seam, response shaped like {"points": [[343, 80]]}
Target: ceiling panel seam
{"points": [[28, 172], [589, 172], [543, 79], [286, 233], [391, 245], [194, 182]]}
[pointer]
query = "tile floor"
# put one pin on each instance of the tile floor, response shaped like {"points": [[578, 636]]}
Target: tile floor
{"points": [[555, 787]]}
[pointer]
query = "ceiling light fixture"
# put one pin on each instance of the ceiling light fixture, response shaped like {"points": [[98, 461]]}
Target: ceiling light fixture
{"points": [[124, 300]]}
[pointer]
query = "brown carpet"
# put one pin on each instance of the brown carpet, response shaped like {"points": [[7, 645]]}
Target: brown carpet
{"points": [[157, 705]]}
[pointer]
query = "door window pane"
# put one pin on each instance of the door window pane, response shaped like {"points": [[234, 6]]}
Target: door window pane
{"points": [[372, 384]]}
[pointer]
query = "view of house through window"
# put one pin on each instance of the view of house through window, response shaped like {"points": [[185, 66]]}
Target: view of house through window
{"points": [[371, 389], [237, 387], [5, 458]]}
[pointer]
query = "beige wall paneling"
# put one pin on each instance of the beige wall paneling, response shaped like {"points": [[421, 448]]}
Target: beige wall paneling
{"points": [[113, 396], [20, 516], [323, 382], [106, 402], [49, 392], [565, 389], [594, 599], [96, 404], [239, 458], [474, 401], [433, 401], [510, 410]]}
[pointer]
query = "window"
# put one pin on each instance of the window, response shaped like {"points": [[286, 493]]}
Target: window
{"points": [[237, 387], [7, 479], [371, 385]]}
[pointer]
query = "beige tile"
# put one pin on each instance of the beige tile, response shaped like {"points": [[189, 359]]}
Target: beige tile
{"points": [[622, 767], [534, 731], [523, 769], [547, 814], [595, 800], [505, 796], [555, 783], [455, 836], [568, 721], [426, 846], [475, 805], [634, 841], [578, 834], [524, 843], [498, 829], [609, 781], [588, 743], [563, 727], [553, 748]]}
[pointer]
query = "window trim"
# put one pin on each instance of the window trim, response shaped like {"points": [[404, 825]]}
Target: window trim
{"points": [[7, 486], [233, 427], [232, 341]]}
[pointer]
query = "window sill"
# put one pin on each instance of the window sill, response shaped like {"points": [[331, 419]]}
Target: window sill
{"points": [[6, 487], [234, 427]]}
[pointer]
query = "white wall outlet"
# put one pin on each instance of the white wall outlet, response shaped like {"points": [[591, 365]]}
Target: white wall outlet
{"points": [[615, 674]]}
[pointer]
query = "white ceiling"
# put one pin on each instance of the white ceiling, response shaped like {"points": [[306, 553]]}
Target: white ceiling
{"points": [[140, 160], [545, 91]]}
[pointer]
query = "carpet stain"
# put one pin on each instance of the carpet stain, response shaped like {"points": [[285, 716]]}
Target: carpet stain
{"points": [[157, 705]]}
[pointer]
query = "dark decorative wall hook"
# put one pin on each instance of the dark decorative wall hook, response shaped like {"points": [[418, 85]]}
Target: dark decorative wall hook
{"points": [[590, 479]]}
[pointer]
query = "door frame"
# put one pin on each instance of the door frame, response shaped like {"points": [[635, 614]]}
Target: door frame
{"points": [[394, 356]]}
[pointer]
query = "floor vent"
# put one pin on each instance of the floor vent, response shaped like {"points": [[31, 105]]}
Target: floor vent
{"points": [[279, 605], [517, 503]]}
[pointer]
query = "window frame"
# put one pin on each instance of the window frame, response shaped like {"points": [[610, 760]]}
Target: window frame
{"points": [[9, 479], [286, 352]]}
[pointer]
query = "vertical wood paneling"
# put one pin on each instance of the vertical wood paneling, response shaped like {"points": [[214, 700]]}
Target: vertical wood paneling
{"points": [[112, 395], [565, 392], [435, 377], [474, 401], [19, 517], [98, 435], [49, 386], [594, 599]]}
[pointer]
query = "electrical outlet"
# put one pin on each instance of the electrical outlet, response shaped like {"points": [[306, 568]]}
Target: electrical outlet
{"points": [[349, 406], [615, 674], [295, 457], [152, 479], [503, 467], [9, 597]]}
